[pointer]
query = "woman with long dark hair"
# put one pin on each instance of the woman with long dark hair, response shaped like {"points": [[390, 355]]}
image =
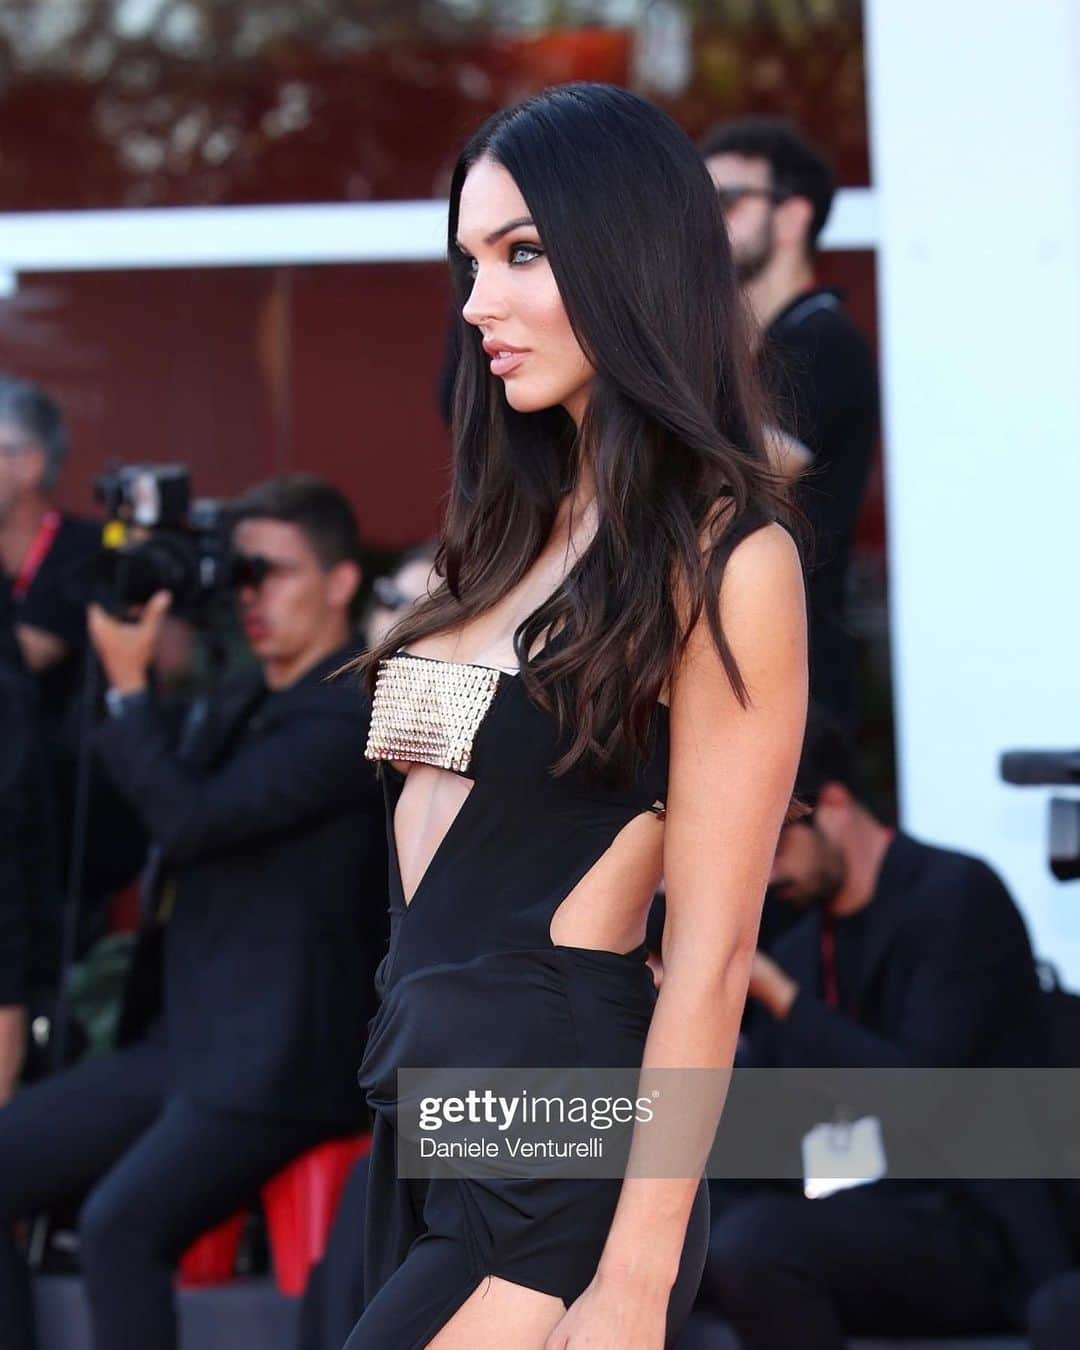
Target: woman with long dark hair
{"points": [[606, 686]]}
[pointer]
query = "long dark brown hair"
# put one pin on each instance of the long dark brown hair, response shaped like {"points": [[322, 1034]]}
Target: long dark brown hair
{"points": [[673, 430]]}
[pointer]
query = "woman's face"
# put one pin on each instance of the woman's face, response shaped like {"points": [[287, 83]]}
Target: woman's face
{"points": [[514, 301]]}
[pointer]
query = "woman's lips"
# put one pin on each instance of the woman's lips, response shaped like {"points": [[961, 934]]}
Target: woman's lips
{"points": [[505, 362]]}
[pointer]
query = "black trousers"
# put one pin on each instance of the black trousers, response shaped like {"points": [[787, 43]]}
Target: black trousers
{"points": [[786, 1271], [1054, 1314], [153, 1173]]}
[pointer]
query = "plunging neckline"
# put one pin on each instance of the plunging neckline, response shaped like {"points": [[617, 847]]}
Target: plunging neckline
{"points": [[467, 801]]}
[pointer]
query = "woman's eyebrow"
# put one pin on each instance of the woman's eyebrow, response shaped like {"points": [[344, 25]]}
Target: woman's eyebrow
{"points": [[496, 235]]}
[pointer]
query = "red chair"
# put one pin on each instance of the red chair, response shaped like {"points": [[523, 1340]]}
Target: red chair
{"points": [[211, 1259], [300, 1203]]}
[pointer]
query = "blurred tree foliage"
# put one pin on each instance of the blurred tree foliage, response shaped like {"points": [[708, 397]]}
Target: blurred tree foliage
{"points": [[173, 102]]}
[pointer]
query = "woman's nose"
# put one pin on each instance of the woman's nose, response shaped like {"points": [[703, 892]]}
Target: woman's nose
{"points": [[484, 304]]}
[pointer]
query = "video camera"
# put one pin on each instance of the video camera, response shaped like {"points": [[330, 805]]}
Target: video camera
{"points": [[156, 538], [1035, 768]]}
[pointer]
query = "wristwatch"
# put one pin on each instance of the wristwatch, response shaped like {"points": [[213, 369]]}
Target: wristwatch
{"points": [[118, 702]]}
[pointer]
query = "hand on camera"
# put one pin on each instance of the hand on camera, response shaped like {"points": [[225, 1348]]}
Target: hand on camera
{"points": [[127, 648]]}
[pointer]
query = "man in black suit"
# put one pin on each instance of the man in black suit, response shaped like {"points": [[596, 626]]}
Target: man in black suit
{"points": [[252, 984], [905, 955]]}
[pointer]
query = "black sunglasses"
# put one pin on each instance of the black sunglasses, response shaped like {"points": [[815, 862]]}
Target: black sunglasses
{"points": [[252, 569], [731, 196]]}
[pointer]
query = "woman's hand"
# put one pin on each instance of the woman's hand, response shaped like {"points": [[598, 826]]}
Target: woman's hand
{"points": [[616, 1312]]}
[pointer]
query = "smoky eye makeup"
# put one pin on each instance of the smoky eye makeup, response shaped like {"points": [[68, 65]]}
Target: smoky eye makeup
{"points": [[521, 246], [514, 252]]}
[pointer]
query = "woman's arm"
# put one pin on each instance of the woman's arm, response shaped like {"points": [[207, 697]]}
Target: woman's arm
{"points": [[732, 770]]}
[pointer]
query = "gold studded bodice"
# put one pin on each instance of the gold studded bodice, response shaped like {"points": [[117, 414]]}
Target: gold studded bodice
{"points": [[428, 711], [521, 837]]}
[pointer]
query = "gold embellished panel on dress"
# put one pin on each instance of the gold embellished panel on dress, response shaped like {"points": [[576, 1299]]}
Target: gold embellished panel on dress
{"points": [[428, 711]]}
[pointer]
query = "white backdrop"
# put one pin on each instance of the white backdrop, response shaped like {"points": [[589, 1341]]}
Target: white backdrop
{"points": [[975, 121]]}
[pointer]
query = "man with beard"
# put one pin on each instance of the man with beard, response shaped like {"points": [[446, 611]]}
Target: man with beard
{"points": [[905, 955], [776, 191]]}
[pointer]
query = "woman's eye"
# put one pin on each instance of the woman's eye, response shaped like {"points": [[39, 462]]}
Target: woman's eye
{"points": [[519, 255]]}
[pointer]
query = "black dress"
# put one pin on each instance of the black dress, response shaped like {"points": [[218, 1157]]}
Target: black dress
{"points": [[472, 977]]}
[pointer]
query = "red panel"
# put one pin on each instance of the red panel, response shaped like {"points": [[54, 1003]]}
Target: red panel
{"points": [[241, 372], [366, 346], [163, 366]]}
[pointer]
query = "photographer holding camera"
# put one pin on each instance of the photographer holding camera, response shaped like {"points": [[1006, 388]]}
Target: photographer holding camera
{"points": [[246, 1006]]}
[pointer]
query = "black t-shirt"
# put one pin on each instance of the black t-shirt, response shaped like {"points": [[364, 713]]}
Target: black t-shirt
{"points": [[850, 935], [10, 653], [819, 372], [56, 603]]}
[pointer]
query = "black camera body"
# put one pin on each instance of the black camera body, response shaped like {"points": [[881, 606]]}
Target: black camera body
{"points": [[156, 538]]}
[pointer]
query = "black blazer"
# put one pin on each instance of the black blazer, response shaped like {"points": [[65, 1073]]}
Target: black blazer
{"points": [[268, 907], [29, 882], [16, 733], [947, 979]]}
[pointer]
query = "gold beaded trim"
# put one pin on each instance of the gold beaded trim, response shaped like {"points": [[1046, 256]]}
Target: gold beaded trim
{"points": [[428, 711]]}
